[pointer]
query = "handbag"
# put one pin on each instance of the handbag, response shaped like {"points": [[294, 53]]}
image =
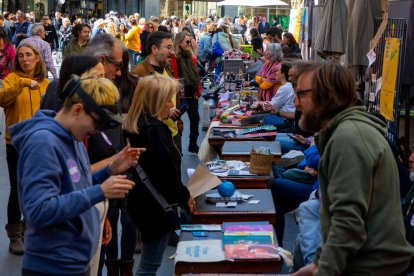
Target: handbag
{"points": [[217, 51], [175, 214]]}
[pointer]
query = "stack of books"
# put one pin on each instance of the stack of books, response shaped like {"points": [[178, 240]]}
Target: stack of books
{"points": [[249, 240]]}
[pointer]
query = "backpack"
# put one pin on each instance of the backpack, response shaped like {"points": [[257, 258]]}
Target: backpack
{"points": [[217, 51]]}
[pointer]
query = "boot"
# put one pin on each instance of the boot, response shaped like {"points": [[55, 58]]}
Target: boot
{"points": [[126, 268], [15, 234], [192, 147], [112, 267]]}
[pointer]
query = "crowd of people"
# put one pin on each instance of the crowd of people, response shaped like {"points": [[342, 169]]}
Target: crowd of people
{"points": [[115, 103]]}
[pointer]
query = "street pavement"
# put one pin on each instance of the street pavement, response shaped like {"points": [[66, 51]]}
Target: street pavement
{"points": [[10, 265]]}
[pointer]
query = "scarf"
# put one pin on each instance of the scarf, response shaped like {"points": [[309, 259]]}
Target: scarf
{"points": [[188, 70]]}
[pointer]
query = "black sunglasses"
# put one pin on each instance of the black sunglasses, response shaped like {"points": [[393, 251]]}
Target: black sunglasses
{"points": [[114, 62], [188, 42], [99, 124]]}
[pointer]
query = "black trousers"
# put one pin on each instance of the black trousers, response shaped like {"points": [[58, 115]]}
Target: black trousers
{"points": [[13, 208], [194, 118]]}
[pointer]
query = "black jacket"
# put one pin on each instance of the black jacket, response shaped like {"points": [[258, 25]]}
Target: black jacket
{"points": [[162, 163]]}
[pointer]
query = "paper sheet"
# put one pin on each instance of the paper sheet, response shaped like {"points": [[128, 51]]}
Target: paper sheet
{"points": [[202, 181], [200, 251]]}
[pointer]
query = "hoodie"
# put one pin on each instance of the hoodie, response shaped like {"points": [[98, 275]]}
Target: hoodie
{"points": [[361, 219], [56, 196]]}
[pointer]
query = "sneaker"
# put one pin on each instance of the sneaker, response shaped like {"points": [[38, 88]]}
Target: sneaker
{"points": [[193, 148]]}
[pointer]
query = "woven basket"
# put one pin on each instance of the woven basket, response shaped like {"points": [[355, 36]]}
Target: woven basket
{"points": [[260, 163]]}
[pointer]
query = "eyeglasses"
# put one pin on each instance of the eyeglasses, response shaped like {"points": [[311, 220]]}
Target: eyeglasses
{"points": [[188, 42], [45, 18], [118, 64], [169, 47], [299, 93], [150, 27]]}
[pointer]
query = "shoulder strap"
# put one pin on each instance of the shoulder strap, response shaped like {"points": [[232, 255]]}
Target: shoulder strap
{"points": [[147, 182]]}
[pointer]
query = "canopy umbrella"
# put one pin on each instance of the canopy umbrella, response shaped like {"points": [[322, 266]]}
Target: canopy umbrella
{"points": [[361, 30], [252, 3], [331, 37]]}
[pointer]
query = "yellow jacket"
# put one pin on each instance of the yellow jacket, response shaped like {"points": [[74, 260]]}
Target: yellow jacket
{"points": [[133, 39], [18, 100]]}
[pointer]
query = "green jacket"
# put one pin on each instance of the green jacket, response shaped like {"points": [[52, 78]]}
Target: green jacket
{"points": [[73, 47], [361, 218]]}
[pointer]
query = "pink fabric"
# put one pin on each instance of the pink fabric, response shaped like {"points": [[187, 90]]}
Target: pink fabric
{"points": [[7, 55], [268, 71]]}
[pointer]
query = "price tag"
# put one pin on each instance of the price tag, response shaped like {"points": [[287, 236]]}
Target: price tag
{"points": [[372, 97], [378, 85], [371, 57]]}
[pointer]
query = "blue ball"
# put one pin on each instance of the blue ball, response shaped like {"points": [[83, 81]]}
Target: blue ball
{"points": [[226, 189]]}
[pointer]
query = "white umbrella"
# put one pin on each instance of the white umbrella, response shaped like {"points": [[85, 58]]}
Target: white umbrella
{"points": [[252, 3]]}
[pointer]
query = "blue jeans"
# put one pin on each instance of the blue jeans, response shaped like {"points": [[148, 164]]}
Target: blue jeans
{"points": [[309, 236], [287, 195], [277, 121], [287, 144], [151, 255]]}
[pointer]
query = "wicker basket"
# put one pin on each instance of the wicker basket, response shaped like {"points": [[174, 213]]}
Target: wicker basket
{"points": [[260, 163]]}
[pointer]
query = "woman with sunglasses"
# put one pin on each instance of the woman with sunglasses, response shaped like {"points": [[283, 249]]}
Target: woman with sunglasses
{"points": [[144, 127], [20, 97], [184, 67], [149, 28], [58, 194]]}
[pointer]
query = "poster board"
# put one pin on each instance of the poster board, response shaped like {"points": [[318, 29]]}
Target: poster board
{"points": [[389, 77]]}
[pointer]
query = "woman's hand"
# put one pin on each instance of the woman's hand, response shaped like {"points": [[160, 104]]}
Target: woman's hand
{"points": [[267, 106], [301, 139], [310, 171], [174, 113], [117, 186], [107, 232], [125, 159], [34, 84], [192, 205]]}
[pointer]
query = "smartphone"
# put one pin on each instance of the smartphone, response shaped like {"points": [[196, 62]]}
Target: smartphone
{"points": [[291, 136], [183, 108]]}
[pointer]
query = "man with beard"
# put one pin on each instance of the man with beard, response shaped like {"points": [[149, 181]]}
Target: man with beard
{"points": [[160, 48], [361, 220]]}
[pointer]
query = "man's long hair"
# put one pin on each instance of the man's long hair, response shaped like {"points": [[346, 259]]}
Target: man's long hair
{"points": [[335, 89]]}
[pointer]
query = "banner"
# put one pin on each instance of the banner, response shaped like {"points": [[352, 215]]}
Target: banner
{"points": [[389, 77], [294, 22]]}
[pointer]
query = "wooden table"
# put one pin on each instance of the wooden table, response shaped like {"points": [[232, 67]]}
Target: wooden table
{"points": [[240, 150], [208, 213], [249, 182], [217, 142], [245, 266]]}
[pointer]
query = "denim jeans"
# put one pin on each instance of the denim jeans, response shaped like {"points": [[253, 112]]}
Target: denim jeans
{"points": [[277, 121], [287, 144], [309, 236], [151, 255], [287, 195]]}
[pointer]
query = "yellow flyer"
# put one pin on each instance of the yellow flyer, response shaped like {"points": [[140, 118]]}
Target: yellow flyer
{"points": [[389, 77]]}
